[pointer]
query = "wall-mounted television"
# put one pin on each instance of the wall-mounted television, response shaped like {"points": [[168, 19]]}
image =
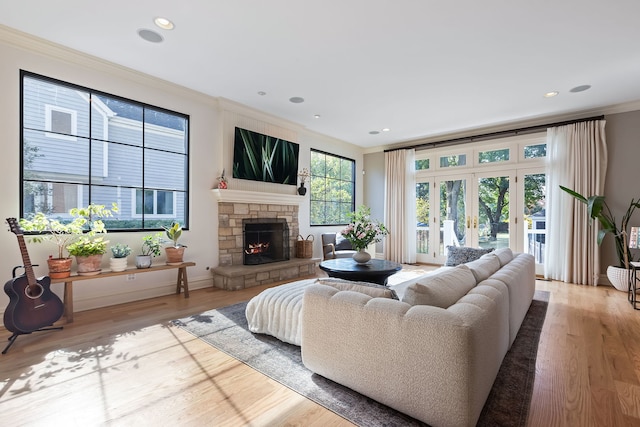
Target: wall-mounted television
{"points": [[265, 158]]}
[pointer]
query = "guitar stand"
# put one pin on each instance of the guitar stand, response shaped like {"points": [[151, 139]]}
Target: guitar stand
{"points": [[15, 335]]}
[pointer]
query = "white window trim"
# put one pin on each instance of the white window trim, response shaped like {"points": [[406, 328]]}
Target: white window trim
{"points": [[47, 124], [134, 206]]}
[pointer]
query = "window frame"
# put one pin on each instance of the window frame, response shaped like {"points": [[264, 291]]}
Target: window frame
{"points": [[324, 177], [89, 182]]}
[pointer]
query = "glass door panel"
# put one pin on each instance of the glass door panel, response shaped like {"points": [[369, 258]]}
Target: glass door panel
{"points": [[423, 217], [491, 221], [534, 224], [454, 220]]}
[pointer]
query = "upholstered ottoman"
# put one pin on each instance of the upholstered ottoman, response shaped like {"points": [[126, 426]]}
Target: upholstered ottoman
{"points": [[278, 311]]}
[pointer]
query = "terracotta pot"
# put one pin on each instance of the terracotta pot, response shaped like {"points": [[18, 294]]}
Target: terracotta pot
{"points": [[174, 255], [89, 265], [59, 268]]}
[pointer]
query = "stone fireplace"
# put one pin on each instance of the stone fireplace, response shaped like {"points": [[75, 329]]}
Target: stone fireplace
{"points": [[236, 209]]}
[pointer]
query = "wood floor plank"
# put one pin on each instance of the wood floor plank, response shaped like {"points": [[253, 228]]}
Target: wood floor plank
{"points": [[126, 365]]}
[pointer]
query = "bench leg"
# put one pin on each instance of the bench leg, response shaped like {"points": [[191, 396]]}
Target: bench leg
{"points": [[68, 301], [182, 282]]}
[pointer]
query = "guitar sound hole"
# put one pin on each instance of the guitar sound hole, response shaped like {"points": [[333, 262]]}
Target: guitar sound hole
{"points": [[39, 290]]}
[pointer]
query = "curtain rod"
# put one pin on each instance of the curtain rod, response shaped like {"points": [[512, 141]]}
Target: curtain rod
{"points": [[503, 133]]}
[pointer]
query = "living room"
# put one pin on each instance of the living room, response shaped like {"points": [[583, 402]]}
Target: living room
{"points": [[102, 303]]}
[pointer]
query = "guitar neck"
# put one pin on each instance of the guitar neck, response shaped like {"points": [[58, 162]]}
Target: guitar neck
{"points": [[28, 268]]}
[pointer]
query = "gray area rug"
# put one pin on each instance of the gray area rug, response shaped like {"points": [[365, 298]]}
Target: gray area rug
{"points": [[507, 404]]}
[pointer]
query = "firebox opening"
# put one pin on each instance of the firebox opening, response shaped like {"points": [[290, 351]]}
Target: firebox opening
{"points": [[265, 240]]}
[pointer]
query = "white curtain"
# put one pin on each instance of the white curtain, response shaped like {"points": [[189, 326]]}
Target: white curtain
{"points": [[577, 159], [400, 206]]}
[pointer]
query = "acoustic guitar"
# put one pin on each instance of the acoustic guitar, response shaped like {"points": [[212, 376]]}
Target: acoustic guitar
{"points": [[32, 305]]}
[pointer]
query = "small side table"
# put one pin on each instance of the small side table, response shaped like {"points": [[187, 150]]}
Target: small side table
{"points": [[633, 285]]}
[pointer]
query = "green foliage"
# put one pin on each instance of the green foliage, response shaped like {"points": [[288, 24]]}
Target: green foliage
{"points": [[362, 230], [87, 245], [120, 250], [332, 187], [151, 244], [265, 158], [598, 209], [81, 230], [173, 233]]}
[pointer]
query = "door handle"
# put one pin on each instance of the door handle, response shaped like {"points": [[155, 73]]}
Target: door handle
{"points": [[468, 222], [475, 222]]}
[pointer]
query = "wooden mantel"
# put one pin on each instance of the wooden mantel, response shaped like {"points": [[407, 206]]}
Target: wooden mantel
{"points": [[240, 196]]}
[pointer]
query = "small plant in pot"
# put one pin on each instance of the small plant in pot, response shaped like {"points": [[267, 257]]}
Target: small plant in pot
{"points": [[151, 245], [90, 246], [175, 253], [598, 209], [118, 261]]}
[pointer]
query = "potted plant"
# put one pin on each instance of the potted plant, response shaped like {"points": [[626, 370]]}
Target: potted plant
{"points": [[598, 209], [363, 231], [118, 261], [175, 253], [61, 233], [150, 247], [90, 246]]}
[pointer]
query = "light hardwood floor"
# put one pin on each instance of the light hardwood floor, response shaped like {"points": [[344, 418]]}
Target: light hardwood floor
{"points": [[125, 365]]}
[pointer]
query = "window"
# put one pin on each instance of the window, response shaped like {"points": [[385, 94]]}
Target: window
{"points": [[333, 186], [422, 164], [81, 146], [453, 160], [535, 151], [493, 156]]}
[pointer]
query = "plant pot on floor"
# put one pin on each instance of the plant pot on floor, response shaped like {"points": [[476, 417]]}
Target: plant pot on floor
{"points": [[59, 268], [89, 265], [174, 255], [619, 277]]}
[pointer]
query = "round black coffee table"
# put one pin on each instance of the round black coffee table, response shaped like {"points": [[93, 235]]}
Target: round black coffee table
{"points": [[374, 271]]}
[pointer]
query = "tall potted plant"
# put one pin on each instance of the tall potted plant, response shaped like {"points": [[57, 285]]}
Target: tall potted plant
{"points": [[175, 253], [598, 209]]}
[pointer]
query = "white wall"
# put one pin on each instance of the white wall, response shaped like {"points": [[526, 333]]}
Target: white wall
{"points": [[212, 123]]}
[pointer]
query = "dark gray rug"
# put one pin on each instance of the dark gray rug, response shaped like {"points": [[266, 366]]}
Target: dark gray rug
{"points": [[507, 404]]}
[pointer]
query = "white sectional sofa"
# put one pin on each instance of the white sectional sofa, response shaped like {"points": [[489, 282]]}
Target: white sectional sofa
{"points": [[435, 353]]}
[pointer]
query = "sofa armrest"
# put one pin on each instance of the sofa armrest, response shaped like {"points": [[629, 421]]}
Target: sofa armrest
{"points": [[329, 251]]}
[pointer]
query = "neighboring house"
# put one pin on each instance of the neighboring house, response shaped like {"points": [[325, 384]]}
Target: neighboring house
{"points": [[137, 154]]}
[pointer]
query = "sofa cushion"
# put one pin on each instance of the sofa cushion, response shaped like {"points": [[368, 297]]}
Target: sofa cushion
{"points": [[457, 255], [484, 267], [342, 244], [442, 289], [371, 289], [505, 255]]}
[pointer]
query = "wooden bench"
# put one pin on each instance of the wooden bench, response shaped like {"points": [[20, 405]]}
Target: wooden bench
{"points": [[181, 283]]}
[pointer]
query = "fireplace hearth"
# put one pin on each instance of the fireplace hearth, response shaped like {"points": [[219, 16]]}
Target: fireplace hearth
{"points": [[265, 240]]}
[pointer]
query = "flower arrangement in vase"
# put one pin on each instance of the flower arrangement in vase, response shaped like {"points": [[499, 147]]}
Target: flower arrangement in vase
{"points": [[363, 231], [303, 175]]}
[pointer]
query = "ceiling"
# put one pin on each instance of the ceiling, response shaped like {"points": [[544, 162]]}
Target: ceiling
{"points": [[421, 68]]}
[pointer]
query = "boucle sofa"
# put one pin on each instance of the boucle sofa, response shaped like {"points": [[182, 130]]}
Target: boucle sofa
{"points": [[435, 353]]}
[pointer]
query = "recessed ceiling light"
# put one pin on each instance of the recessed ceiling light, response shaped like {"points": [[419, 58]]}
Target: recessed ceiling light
{"points": [[386, 130], [374, 132], [317, 116], [262, 93], [297, 100], [150, 36], [163, 23], [580, 88], [551, 94]]}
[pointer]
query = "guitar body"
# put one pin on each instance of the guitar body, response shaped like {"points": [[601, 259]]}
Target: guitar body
{"points": [[31, 307]]}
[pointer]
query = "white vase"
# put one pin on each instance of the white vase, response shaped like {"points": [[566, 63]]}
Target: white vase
{"points": [[361, 257], [143, 261], [118, 264], [619, 277]]}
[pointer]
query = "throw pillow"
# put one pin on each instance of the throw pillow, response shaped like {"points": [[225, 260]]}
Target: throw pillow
{"points": [[505, 255], [483, 267], [342, 244], [371, 289], [460, 254], [442, 289]]}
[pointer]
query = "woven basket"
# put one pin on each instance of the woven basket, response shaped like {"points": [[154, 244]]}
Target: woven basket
{"points": [[304, 247]]}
